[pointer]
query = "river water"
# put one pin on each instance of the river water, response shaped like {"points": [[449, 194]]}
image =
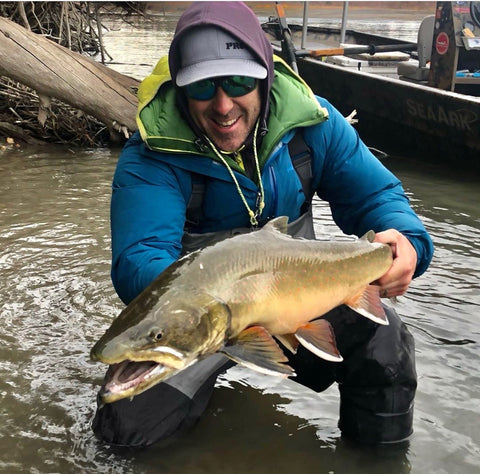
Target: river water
{"points": [[56, 299]]}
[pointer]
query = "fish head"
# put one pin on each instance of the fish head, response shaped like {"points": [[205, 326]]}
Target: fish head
{"points": [[178, 330]]}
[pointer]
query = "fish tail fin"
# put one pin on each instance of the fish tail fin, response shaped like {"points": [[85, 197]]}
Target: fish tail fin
{"points": [[368, 304]]}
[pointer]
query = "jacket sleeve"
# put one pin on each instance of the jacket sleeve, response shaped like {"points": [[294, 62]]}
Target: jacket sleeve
{"points": [[147, 219], [362, 193]]}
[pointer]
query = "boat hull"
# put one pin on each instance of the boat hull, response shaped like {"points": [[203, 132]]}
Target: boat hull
{"points": [[402, 117], [398, 116]]}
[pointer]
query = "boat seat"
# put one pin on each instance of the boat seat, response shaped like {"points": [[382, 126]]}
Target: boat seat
{"points": [[414, 70]]}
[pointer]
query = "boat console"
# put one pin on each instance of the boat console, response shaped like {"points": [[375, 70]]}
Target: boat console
{"points": [[448, 49], [456, 47]]}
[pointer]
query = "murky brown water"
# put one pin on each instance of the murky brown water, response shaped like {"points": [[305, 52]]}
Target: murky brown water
{"points": [[56, 299]]}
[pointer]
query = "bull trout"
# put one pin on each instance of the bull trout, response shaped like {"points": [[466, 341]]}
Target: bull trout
{"points": [[232, 297]]}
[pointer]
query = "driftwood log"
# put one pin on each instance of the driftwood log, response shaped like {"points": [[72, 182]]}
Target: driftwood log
{"points": [[56, 72]]}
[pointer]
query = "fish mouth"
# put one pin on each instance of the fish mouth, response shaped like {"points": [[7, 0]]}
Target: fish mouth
{"points": [[129, 378]]}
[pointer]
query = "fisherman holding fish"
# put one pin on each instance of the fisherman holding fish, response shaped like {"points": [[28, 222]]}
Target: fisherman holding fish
{"points": [[229, 139]]}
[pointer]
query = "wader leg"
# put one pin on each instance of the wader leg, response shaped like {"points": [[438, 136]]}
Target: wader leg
{"points": [[377, 387], [163, 412], [377, 379]]}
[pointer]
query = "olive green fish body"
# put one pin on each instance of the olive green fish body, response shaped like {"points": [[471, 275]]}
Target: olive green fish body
{"points": [[231, 298], [282, 288]]}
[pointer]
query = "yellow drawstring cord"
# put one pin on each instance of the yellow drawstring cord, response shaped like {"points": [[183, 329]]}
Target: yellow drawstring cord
{"points": [[253, 215]]}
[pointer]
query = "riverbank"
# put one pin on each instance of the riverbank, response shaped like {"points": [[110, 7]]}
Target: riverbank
{"points": [[357, 9]]}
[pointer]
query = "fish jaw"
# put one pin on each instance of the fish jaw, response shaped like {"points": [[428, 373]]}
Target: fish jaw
{"points": [[134, 368], [116, 352], [128, 379], [136, 372], [133, 373]]}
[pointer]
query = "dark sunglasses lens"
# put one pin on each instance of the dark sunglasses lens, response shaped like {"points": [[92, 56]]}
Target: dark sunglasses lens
{"points": [[201, 90], [236, 86]]}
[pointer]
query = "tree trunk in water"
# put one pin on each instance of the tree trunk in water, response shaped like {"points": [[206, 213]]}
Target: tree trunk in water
{"points": [[54, 71]]}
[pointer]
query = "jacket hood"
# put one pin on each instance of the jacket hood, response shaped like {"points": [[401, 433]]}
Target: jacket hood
{"points": [[239, 21]]}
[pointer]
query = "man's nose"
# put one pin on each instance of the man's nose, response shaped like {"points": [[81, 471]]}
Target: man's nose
{"points": [[222, 103]]}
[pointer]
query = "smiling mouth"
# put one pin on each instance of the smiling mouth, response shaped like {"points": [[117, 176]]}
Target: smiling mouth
{"points": [[227, 123]]}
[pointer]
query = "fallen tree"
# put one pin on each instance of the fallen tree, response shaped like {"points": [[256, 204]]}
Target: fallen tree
{"points": [[55, 72]]}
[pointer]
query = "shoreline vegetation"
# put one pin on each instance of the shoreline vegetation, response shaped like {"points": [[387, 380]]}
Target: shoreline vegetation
{"points": [[37, 108], [51, 88]]}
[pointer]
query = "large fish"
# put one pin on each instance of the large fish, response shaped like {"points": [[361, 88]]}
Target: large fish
{"points": [[232, 297]]}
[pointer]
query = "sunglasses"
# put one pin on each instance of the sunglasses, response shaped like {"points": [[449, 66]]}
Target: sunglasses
{"points": [[234, 86]]}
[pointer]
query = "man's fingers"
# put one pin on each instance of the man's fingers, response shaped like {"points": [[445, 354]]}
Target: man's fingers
{"points": [[398, 277]]}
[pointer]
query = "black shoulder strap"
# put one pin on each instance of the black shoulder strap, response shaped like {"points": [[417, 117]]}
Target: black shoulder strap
{"points": [[301, 157], [194, 212]]}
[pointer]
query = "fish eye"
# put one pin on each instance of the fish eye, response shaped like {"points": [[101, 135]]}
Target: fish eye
{"points": [[156, 334]]}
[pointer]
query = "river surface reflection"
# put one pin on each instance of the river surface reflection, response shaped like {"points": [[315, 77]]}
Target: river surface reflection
{"points": [[56, 299]]}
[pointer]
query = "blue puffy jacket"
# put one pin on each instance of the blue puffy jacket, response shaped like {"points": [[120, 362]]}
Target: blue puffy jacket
{"points": [[153, 180]]}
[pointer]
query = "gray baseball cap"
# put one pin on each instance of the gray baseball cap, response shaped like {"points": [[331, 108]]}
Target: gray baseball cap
{"points": [[208, 51]]}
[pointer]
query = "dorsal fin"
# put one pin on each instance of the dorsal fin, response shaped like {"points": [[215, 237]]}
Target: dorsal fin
{"points": [[370, 236], [279, 223]]}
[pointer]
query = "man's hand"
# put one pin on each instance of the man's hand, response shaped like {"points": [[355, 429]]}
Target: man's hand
{"points": [[397, 279]]}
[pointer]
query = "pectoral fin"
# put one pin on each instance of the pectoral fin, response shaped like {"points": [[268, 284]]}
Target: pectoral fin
{"points": [[368, 304], [318, 337], [255, 348]]}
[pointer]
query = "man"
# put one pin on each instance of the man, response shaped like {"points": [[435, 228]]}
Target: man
{"points": [[213, 158]]}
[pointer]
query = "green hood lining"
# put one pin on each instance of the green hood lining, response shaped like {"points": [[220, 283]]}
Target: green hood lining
{"points": [[162, 128]]}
